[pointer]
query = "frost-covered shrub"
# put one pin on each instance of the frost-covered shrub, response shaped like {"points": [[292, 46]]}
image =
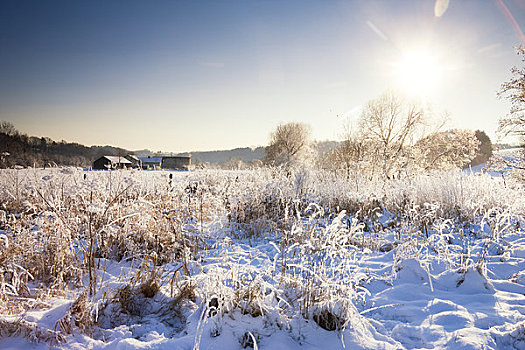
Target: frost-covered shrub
{"points": [[446, 150]]}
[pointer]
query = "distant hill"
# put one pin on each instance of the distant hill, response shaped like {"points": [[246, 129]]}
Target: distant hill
{"points": [[326, 146], [245, 154]]}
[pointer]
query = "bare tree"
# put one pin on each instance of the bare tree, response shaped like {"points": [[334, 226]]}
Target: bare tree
{"points": [[514, 122], [289, 144], [514, 91], [7, 128], [390, 122], [351, 154]]}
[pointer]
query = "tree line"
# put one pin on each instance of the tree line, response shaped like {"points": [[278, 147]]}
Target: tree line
{"points": [[388, 139], [18, 149]]}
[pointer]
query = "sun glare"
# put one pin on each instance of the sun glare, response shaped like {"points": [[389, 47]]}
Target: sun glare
{"points": [[418, 72]]}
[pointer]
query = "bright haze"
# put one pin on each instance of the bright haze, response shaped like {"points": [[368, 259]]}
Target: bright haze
{"points": [[202, 75]]}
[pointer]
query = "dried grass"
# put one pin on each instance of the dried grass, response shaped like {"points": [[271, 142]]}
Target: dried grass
{"points": [[79, 315], [30, 331]]}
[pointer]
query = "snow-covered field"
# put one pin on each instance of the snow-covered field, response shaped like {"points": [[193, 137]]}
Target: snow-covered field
{"points": [[261, 259]]}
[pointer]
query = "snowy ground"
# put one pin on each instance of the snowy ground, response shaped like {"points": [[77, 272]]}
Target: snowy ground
{"points": [[449, 276]]}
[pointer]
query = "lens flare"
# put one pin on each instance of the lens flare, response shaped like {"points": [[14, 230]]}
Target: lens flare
{"points": [[440, 7]]}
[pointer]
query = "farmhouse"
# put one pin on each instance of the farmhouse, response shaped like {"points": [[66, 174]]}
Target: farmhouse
{"points": [[111, 162]]}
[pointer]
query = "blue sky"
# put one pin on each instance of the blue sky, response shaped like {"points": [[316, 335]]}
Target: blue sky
{"points": [[203, 75]]}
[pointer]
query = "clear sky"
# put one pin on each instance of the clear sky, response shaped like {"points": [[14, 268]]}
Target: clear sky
{"points": [[203, 75]]}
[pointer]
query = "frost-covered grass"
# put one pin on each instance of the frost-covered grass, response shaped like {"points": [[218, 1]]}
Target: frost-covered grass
{"points": [[260, 259]]}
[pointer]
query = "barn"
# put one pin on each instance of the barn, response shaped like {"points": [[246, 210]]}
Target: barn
{"points": [[135, 161], [111, 162], [176, 162]]}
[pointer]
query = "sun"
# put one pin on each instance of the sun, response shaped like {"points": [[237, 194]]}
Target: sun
{"points": [[418, 72]]}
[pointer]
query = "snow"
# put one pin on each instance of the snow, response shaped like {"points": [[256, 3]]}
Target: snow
{"points": [[447, 287]]}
